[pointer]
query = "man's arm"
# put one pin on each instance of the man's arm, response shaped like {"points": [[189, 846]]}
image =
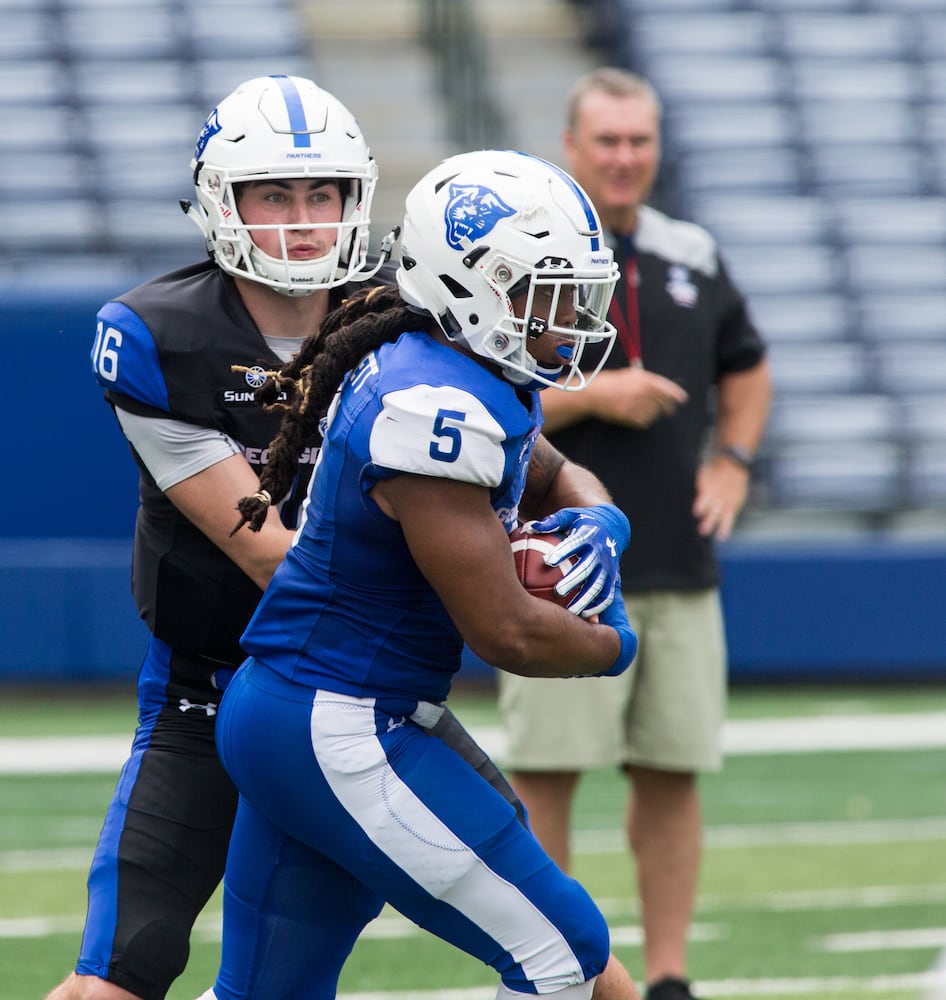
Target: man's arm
{"points": [[203, 473], [460, 546], [209, 501], [632, 397], [555, 482], [722, 483]]}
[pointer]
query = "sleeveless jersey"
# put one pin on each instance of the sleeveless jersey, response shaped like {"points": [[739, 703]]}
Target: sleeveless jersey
{"points": [[349, 610], [165, 349]]}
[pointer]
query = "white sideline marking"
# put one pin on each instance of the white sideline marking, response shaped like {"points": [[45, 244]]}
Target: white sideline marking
{"points": [[882, 731], [920, 937], [40, 927], [877, 831], [807, 986], [612, 842]]}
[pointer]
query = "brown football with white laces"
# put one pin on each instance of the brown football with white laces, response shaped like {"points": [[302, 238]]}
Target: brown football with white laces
{"points": [[534, 573]]}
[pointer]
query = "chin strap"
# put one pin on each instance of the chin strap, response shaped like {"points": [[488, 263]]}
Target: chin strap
{"points": [[387, 248]]}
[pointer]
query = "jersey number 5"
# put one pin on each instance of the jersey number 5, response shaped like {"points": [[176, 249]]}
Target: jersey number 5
{"points": [[446, 447]]}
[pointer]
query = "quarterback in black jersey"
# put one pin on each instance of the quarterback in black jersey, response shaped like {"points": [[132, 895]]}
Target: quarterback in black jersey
{"points": [[284, 183]]}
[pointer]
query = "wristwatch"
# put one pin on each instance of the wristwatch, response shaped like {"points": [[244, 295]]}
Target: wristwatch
{"points": [[739, 455]]}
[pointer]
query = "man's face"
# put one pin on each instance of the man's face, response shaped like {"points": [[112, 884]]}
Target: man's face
{"points": [[614, 154], [297, 203]]}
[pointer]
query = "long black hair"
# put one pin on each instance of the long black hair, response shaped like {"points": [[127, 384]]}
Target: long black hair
{"points": [[362, 323]]}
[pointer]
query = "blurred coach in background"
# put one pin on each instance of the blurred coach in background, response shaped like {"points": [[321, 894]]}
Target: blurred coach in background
{"points": [[671, 428]]}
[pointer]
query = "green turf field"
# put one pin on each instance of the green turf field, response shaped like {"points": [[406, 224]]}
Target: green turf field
{"points": [[825, 871]]}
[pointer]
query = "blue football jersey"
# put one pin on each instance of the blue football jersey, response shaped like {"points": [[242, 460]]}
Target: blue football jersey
{"points": [[348, 610]]}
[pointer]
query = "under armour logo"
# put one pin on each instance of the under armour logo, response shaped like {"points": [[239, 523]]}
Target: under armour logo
{"points": [[612, 546], [185, 706]]}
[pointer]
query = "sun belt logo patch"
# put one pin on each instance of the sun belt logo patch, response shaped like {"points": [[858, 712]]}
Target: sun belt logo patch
{"points": [[472, 212], [255, 377], [211, 127]]}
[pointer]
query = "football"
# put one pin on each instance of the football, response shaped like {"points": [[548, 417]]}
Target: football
{"points": [[534, 573]]}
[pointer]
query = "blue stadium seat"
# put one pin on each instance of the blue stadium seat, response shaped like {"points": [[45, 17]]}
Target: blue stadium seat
{"points": [[900, 268], [877, 168], [31, 82], [133, 82], [924, 416], [123, 31], [855, 80], [233, 28], [766, 169], [926, 474], [731, 125], [29, 32], [783, 6], [736, 217], [792, 318], [217, 76], [154, 174], [739, 33], [828, 475], [810, 367], [832, 122], [158, 223], [41, 129], [38, 224], [168, 125], [842, 418], [782, 269], [910, 367], [831, 35], [901, 314], [894, 220], [20, 179], [713, 79]]}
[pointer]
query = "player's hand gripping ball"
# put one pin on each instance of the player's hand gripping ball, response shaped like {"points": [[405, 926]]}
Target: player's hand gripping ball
{"points": [[529, 552]]}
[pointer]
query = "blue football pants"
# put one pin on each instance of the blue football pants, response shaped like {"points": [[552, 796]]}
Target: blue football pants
{"points": [[346, 804]]}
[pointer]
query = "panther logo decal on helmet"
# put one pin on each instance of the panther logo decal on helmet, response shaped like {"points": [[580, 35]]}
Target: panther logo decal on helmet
{"points": [[211, 127], [472, 212]]}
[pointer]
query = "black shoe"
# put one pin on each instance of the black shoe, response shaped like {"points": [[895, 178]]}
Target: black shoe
{"points": [[669, 989]]}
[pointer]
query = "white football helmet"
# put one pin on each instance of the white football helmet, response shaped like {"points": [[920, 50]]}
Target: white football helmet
{"points": [[282, 127], [484, 227]]}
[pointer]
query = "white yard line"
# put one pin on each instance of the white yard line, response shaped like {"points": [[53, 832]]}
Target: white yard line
{"points": [[589, 842], [894, 940], [810, 734], [802, 986]]}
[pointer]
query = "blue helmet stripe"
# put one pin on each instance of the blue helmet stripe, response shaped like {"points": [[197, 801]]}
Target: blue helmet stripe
{"points": [[297, 123], [586, 205]]}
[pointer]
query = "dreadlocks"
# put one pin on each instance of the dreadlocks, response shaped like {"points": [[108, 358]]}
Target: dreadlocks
{"points": [[304, 387]]}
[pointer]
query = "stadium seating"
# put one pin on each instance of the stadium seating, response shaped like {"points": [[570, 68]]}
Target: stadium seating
{"points": [[810, 137], [116, 90]]}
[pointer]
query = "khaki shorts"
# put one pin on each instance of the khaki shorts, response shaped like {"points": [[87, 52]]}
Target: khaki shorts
{"points": [[665, 712]]}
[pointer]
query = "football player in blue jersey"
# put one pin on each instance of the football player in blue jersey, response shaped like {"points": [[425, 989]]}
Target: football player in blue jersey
{"points": [[424, 401], [284, 184]]}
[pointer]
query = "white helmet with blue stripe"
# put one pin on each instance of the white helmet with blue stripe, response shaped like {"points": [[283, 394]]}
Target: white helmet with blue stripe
{"points": [[486, 227], [282, 127]]}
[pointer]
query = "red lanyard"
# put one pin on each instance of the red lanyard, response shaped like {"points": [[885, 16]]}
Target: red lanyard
{"points": [[628, 326]]}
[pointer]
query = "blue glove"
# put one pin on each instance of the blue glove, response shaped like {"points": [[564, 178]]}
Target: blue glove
{"points": [[597, 535], [615, 615]]}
